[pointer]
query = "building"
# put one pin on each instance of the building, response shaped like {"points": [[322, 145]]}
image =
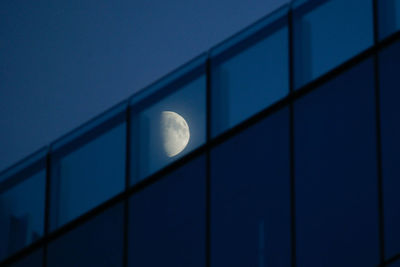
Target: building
{"points": [[277, 147]]}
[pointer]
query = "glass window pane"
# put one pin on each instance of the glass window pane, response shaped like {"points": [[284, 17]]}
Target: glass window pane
{"points": [[250, 196], [22, 204], [250, 72], [88, 169], [34, 259], [98, 242], [394, 264], [335, 172], [327, 33], [167, 220], [389, 17], [170, 122], [389, 64]]}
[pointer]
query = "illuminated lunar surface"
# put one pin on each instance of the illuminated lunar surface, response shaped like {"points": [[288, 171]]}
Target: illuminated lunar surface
{"points": [[175, 133]]}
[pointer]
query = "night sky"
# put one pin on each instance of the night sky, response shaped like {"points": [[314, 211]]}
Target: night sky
{"points": [[64, 62]]}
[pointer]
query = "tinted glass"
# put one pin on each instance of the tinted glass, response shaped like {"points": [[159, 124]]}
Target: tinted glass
{"points": [[389, 64], [22, 202], [394, 264], [335, 172], [167, 220], [88, 171], [168, 124], [327, 33], [98, 242], [250, 196], [250, 73], [34, 259], [389, 17]]}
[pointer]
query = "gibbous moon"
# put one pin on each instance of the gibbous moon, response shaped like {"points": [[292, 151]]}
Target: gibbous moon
{"points": [[175, 133]]}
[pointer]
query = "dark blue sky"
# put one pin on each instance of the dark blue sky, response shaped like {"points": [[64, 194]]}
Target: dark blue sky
{"points": [[63, 62]]}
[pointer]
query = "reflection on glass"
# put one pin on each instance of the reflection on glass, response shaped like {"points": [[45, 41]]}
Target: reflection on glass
{"points": [[165, 130], [327, 33], [22, 201], [87, 172], [249, 72], [175, 133], [389, 17], [22, 214]]}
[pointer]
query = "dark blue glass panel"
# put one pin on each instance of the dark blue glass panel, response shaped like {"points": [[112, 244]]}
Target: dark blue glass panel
{"points": [[22, 202], [389, 17], [88, 168], [250, 196], [34, 259], [168, 120], [389, 65], [167, 220], [327, 33], [98, 242], [336, 173], [250, 72]]}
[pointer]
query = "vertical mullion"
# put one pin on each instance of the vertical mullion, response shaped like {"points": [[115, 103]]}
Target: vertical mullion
{"points": [[378, 134], [47, 205], [291, 137], [208, 162], [127, 183]]}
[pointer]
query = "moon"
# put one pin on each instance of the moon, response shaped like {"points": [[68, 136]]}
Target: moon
{"points": [[175, 133]]}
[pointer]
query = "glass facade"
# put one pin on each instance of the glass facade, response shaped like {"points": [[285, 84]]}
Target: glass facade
{"points": [[167, 219], [389, 17], [389, 63], [169, 123], [22, 204], [97, 242], [250, 196], [249, 72], [278, 147], [335, 158], [34, 259], [88, 167], [322, 41]]}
